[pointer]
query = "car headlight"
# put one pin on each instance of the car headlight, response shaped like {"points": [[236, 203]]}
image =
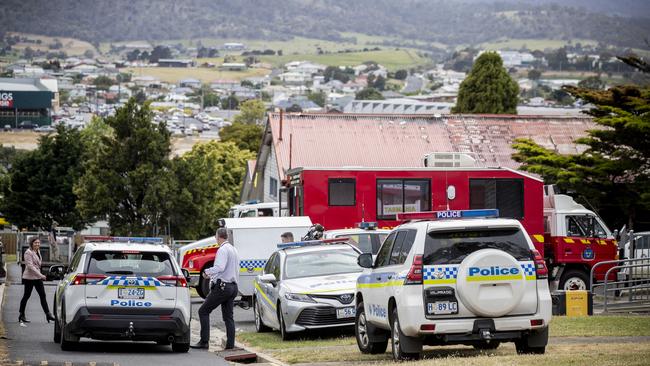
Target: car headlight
{"points": [[298, 297]]}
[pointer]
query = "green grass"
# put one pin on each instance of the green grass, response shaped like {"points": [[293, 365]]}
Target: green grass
{"points": [[532, 44], [600, 326], [272, 340], [392, 59]]}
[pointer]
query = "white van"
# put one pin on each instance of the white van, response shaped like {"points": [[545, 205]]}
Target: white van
{"points": [[255, 238], [254, 209]]}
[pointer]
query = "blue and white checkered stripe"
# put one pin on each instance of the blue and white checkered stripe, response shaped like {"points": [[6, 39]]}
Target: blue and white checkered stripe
{"points": [[251, 265], [439, 274], [130, 281], [529, 270]]}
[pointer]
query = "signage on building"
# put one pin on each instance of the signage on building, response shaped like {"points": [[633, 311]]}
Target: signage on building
{"points": [[6, 99]]}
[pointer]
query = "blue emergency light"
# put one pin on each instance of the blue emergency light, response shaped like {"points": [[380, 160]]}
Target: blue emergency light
{"points": [[308, 243], [367, 225], [448, 214]]}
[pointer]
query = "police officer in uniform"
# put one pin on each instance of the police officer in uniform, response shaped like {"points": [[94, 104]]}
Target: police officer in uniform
{"points": [[224, 276]]}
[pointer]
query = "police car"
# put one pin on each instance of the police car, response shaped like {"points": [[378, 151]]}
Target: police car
{"points": [[307, 285], [121, 290], [366, 237], [475, 280]]}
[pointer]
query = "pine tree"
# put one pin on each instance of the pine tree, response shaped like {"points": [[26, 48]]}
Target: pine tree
{"points": [[488, 88]]}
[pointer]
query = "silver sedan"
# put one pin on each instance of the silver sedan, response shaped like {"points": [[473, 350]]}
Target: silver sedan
{"points": [[307, 287]]}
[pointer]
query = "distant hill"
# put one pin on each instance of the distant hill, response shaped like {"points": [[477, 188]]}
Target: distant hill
{"points": [[444, 21]]}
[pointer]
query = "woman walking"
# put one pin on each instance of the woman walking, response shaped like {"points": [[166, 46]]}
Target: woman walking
{"points": [[33, 278]]}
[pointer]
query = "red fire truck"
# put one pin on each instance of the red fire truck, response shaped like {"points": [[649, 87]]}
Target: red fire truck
{"points": [[571, 237]]}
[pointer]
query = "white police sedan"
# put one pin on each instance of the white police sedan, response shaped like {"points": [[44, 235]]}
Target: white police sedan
{"points": [[307, 285]]}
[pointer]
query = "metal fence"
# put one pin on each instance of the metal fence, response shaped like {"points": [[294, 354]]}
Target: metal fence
{"points": [[630, 292]]}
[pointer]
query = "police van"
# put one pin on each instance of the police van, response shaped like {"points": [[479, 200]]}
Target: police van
{"points": [[453, 277], [123, 289]]}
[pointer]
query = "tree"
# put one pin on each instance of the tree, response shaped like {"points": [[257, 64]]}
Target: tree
{"points": [[103, 82], [211, 100], [160, 52], [129, 179], [488, 88], [613, 174], [319, 98], [252, 112], [335, 73], [39, 186], [230, 102], [534, 74], [369, 94], [89, 54], [401, 74], [209, 181], [592, 82], [245, 136]]}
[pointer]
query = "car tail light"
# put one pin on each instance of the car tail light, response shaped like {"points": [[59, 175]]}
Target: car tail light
{"points": [[83, 278], [414, 277], [178, 281], [540, 265], [536, 322], [428, 327]]}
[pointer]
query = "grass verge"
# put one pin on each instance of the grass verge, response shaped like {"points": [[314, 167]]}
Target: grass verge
{"points": [[336, 347]]}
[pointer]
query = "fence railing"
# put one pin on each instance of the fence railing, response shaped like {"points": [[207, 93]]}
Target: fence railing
{"points": [[629, 292]]}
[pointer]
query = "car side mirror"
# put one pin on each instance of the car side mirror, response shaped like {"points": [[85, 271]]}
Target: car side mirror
{"points": [[57, 269], [186, 274], [365, 260], [268, 278]]}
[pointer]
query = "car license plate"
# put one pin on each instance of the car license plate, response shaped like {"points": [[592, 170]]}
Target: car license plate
{"points": [[442, 307], [348, 312], [130, 293]]}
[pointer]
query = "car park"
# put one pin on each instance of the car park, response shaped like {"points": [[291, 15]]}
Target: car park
{"points": [[366, 237], [307, 285], [121, 290], [475, 280]]}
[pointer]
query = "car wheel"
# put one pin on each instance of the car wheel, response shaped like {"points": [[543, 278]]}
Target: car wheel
{"points": [[69, 341], [574, 280], [203, 289], [396, 341], [57, 327], [487, 345], [361, 332], [283, 328], [180, 347], [259, 323]]}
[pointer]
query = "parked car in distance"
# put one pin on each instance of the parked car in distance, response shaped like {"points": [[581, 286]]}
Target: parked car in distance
{"points": [[366, 237], [7, 128], [27, 125], [45, 129]]}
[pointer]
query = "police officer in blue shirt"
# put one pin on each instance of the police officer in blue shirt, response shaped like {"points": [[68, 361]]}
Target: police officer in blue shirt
{"points": [[224, 276]]}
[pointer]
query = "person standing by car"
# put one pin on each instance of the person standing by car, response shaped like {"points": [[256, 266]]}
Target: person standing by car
{"points": [[287, 237], [33, 278], [224, 276]]}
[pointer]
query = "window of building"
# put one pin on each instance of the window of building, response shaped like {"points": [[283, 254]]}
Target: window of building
{"points": [[273, 187], [506, 195], [402, 195], [341, 191]]}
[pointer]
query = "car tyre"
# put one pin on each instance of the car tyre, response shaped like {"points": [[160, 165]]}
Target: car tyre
{"points": [[487, 345], [574, 280], [57, 326], [180, 347], [69, 342], [361, 332], [283, 327], [260, 327], [397, 336]]}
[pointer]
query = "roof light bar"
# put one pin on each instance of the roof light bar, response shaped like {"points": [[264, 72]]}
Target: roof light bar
{"points": [[307, 243], [449, 214], [123, 239], [367, 225]]}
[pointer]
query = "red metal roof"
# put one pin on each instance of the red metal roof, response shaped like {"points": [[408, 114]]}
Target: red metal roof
{"points": [[337, 140]]}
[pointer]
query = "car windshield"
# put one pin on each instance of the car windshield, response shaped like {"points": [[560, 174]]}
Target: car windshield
{"points": [[366, 242], [321, 263], [451, 247], [130, 263]]}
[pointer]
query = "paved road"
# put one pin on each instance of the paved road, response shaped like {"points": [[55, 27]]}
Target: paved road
{"points": [[34, 344]]}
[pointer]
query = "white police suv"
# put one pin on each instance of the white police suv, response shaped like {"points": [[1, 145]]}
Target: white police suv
{"points": [[121, 290], [307, 285], [473, 280]]}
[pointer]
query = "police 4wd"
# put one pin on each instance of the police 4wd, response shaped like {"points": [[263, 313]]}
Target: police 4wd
{"points": [[473, 280], [123, 291]]}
